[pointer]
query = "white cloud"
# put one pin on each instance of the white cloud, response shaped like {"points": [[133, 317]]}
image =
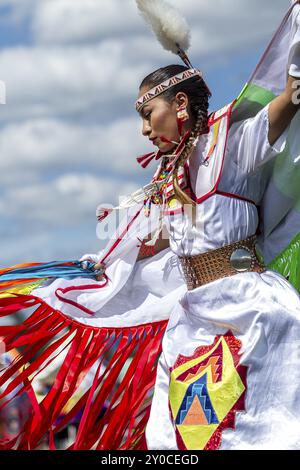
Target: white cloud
{"points": [[56, 219], [74, 21], [54, 145], [69, 133], [65, 81], [223, 26], [71, 21], [20, 248], [90, 57], [49, 244], [64, 201]]}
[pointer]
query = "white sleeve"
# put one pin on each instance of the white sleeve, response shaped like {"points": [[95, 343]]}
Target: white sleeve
{"points": [[160, 432], [93, 257], [252, 144], [294, 52]]}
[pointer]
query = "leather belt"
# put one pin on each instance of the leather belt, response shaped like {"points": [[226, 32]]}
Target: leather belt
{"points": [[227, 261]]}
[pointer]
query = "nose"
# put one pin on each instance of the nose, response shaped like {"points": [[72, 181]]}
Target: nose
{"points": [[146, 129]]}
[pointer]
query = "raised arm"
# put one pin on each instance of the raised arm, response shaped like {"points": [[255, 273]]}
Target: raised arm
{"points": [[283, 109]]}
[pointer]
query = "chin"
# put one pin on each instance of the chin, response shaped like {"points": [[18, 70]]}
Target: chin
{"points": [[165, 148]]}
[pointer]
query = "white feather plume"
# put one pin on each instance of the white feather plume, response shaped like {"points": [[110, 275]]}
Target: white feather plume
{"points": [[167, 23]]}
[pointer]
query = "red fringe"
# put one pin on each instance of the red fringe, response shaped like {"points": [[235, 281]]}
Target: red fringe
{"points": [[114, 409]]}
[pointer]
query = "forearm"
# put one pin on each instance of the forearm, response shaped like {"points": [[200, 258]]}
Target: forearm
{"points": [[147, 251], [283, 109]]}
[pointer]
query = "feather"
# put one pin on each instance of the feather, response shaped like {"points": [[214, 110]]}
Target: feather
{"points": [[170, 28]]}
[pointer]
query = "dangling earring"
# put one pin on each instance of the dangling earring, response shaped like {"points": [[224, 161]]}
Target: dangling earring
{"points": [[182, 116]]}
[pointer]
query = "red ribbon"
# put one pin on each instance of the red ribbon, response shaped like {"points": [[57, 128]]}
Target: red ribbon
{"points": [[125, 401], [144, 160]]}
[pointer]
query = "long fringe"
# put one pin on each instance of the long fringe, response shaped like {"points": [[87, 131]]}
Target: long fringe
{"points": [[114, 409]]}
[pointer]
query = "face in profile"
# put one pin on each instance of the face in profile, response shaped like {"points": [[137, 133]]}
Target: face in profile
{"points": [[160, 120]]}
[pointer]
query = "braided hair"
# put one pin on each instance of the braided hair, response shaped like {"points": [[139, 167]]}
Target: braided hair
{"points": [[198, 94]]}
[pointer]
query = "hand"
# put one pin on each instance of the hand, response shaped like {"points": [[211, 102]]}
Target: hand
{"points": [[93, 258], [100, 267]]}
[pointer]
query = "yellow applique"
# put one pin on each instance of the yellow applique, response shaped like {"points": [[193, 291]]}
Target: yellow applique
{"points": [[202, 393]]}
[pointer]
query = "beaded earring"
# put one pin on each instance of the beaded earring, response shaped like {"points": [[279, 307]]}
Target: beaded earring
{"points": [[182, 117]]}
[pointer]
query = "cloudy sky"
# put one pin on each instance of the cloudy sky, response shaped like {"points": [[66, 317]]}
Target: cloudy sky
{"points": [[69, 133]]}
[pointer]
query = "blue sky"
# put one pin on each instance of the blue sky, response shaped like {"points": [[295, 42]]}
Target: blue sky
{"points": [[69, 134]]}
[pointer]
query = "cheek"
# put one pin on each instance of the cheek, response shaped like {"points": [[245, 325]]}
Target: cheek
{"points": [[165, 120]]}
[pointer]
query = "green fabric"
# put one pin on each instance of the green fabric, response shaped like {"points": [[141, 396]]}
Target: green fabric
{"points": [[250, 101], [254, 93], [287, 262], [286, 176]]}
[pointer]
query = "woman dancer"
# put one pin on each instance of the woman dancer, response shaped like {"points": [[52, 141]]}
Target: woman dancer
{"points": [[227, 375]]}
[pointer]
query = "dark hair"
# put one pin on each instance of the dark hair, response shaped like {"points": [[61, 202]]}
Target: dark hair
{"points": [[195, 88], [198, 93]]}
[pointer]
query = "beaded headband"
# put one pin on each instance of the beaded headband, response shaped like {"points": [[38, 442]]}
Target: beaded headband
{"points": [[162, 87]]}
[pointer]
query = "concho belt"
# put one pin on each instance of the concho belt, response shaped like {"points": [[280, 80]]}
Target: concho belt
{"points": [[223, 262]]}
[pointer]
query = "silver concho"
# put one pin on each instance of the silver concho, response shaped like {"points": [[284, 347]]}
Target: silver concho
{"points": [[241, 259]]}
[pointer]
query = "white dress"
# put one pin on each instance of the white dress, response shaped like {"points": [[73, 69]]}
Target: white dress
{"points": [[261, 311], [228, 375]]}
